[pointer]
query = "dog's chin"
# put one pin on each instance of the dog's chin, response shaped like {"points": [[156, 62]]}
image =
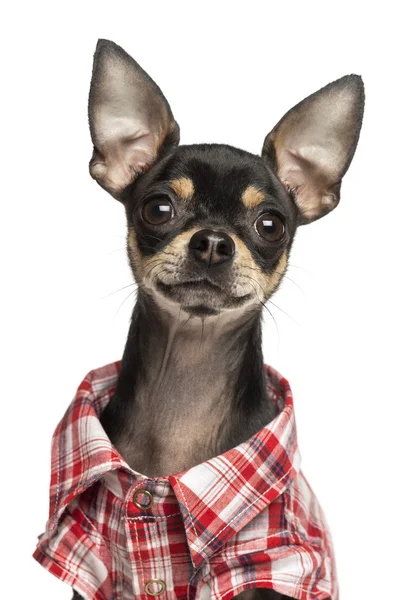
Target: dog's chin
{"points": [[201, 298]]}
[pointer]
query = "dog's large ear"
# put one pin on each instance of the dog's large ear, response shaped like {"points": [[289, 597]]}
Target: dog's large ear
{"points": [[312, 146], [131, 122]]}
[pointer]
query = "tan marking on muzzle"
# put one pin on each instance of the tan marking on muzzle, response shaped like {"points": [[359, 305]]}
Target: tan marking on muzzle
{"points": [[143, 266], [179, 244], [264, 283], [183, 187], [252, 196], [274, 278], [135, 257]]}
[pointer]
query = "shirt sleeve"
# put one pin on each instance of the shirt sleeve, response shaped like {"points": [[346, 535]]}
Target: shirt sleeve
{"points": [[76, 553]]}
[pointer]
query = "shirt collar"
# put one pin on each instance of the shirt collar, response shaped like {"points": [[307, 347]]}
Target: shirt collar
{"points": [[217, 498]]}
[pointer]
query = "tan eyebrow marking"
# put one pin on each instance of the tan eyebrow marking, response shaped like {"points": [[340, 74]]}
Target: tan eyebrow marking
{"points": [[183, 187], [252, 196]]}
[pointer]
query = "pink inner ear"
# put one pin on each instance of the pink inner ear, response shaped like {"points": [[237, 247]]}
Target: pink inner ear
{"points": [[313, 144], [306, 171], [127, 147], [129, 119], [123, 159]]}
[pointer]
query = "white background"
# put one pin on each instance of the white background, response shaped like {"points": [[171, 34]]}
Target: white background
{"points": [[229, 71]]}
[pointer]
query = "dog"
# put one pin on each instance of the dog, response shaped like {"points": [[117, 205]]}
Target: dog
{"points": [[210, 230]]}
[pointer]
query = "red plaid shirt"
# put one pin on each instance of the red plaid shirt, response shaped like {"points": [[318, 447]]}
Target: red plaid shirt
{"points": [[244, 519]]}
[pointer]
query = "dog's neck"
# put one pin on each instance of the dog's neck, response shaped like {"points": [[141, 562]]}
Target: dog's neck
{"points": [[188, 388]]}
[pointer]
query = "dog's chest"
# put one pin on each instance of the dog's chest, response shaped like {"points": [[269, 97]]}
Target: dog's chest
{"points": [[170, 436]]}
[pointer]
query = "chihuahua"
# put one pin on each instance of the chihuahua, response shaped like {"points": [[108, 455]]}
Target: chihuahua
{"points": [[210, 230]]}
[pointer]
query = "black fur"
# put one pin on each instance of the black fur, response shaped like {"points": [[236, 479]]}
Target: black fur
{"points": [[219, 174]]}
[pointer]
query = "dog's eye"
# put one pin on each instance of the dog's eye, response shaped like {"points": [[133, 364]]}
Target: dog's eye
{"points": [[270, 227], [157, 210]]}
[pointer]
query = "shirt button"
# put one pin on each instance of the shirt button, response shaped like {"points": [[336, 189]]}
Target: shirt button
{"points": [[155, 587], [142, 499]]}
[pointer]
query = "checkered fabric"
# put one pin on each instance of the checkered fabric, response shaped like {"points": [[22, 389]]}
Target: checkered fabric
{"points": [[244, 519]]}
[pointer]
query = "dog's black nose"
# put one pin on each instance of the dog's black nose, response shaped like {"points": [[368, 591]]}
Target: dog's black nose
{"points": [[211, 247]]}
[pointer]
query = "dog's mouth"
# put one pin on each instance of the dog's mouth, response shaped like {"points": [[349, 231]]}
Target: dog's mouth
{"points": [[193, 284], [201, 296]]}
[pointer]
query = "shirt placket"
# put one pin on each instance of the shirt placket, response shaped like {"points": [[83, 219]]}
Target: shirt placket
{"points": [[149, 505]]}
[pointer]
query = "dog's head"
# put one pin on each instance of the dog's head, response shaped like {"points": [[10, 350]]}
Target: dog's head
{"points": [[210, 227]]}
